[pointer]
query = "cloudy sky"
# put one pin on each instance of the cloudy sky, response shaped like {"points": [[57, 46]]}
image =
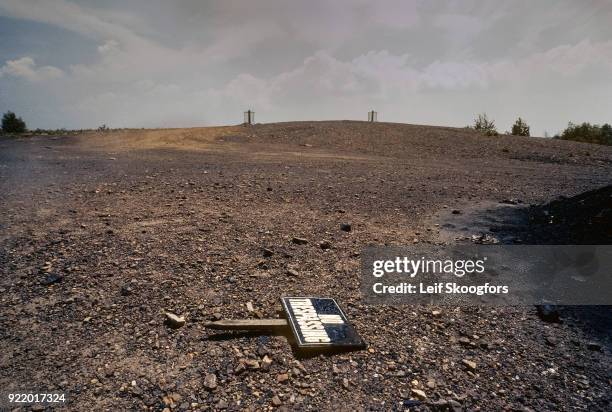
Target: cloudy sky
{"points": [[158, 63]]}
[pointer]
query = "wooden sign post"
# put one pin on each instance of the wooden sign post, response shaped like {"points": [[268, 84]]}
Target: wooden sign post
{"points": [[315, 323]]}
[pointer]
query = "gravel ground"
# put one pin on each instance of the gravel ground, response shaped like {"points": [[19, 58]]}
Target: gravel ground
{"points": [[101, 233]]}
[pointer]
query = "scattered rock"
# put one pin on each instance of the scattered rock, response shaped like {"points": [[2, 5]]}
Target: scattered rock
{"points": [[249, 306], [325, 244], [594, 346], [281, 378], [464, 341], [51, 279], [266, 362], [174, 321], [222, 404], [276, 401], [469, 364], [126, 290], [252, 364], [411, 403], [267, 252], [456, 212], [210, 381], [299, 241], [345, 383], [419, 394], [293, 272], [346, 227]]}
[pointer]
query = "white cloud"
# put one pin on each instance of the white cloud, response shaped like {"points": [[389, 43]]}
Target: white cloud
{"points": [[387, 75], [27, 69], [108, 47]]}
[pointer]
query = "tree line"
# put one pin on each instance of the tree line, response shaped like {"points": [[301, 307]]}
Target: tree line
{"points": [[585, 132]]}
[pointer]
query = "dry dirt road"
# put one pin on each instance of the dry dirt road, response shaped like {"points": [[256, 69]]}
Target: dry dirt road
{"points": [[101, 233]]}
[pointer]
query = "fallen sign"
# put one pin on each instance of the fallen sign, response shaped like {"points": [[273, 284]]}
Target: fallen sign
{"points": [[315, 323]]}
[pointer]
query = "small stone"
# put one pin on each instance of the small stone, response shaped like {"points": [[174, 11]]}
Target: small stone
{"points": [[51, 279], [299, 241], [345, 383], [249, 306], [346, 227], [470, 365], [293, 272], [283, 377], [550, 341], [431, 383], [436, 313], [419, 394], [325, 244], [222, 404], [267, 252], [456, 212], [126, 290], [455, 405], [210, 381], [276, 401], [266, 362], [252, 364], [174, 321], [464, 341], [594, 346]]}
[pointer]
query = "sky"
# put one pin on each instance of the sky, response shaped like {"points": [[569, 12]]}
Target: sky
{"points": [[153, 63]]}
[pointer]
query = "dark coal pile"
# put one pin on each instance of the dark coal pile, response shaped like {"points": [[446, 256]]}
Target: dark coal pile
{"points": [[583, 219]]}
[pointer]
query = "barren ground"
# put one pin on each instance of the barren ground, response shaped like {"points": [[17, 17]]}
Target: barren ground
{"points": [[100, 233]]}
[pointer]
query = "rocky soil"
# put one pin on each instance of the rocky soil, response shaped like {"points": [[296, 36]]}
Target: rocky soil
{"points": [[102, 234]]}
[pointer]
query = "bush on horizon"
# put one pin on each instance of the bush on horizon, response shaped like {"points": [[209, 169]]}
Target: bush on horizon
{"points": [[12, 124], [483, 124], [520, 128], [587, 133]]}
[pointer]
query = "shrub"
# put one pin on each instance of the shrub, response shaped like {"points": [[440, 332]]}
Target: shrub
{"points": [[588, 133], [12, 124], [520, 128], [483, 124]]}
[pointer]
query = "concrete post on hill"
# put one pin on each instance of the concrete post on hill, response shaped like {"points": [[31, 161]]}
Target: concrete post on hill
{"points": [[372, 116], [249, 117]]}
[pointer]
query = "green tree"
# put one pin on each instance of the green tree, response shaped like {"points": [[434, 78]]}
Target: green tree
{"points": [[483, 124], [588, 133], [12, 124], [520, 128]]}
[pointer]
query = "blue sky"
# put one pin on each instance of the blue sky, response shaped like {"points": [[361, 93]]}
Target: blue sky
{"points": [[80, 64]]}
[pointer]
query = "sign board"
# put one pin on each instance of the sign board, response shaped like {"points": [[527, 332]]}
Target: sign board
{"points": [[320, 323]]}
